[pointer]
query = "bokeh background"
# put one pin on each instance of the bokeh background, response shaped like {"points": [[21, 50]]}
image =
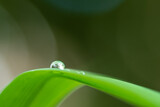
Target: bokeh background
{"points": [[119, 38]]}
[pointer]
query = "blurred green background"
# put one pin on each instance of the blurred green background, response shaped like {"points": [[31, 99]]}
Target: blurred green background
{"points": [[119, 38]]}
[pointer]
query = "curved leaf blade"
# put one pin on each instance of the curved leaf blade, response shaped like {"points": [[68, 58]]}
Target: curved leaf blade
{"points": [[47, 87]]}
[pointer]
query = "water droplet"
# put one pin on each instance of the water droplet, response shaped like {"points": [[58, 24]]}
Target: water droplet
{"points": [[81, 72], [57, 64]]}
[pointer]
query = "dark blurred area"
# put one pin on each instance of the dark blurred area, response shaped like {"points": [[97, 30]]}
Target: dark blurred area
{"points": [[118, 38]]}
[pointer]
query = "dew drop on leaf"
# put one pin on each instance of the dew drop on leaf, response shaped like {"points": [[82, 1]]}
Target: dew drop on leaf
{"points": [[81, 72], [57, 64]]}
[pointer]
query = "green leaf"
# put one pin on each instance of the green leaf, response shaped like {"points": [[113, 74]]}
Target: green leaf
{"points": [[48, 87]]}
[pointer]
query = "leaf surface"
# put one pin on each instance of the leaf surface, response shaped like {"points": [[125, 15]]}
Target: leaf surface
{"points": [[48, 87]]}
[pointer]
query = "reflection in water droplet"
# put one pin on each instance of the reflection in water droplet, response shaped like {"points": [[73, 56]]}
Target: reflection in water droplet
{"points": [[57, 64]]}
